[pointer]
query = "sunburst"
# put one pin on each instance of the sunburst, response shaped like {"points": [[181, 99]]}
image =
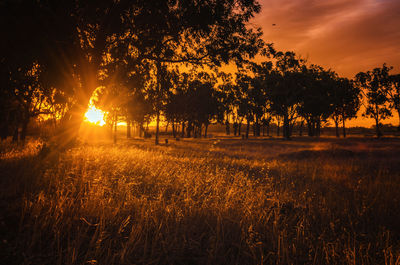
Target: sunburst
{"points": [[95, 116]]}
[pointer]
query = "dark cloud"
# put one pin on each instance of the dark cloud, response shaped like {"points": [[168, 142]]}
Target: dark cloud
{"points": [[346, 35]]}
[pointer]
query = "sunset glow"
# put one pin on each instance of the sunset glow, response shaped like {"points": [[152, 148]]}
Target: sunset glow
{"points": [[95, 116]]}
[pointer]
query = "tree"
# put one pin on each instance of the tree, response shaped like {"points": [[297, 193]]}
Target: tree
{"points": [[202, 102], [227, 99], [139, 109], [284, 83], [346, 102], [376, 84], [245, 104], [27, 96], [394, 94], [316, 99]]}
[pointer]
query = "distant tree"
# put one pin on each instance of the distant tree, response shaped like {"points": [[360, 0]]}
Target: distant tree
{"points": [[394, 94], [376, 84], [227, 99], [285, 90], [177, 106], [346, 102], [245, 104], [203, 102], [164, 81], [316, 99], [139, 109], [174, 110]]}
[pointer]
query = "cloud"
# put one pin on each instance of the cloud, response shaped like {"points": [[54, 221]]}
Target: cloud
{"points": [[346, 35]]}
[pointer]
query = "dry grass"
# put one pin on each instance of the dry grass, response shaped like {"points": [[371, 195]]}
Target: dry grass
{"points": [[214, 201]]}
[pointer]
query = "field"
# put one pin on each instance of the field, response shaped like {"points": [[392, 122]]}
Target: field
{"points": [[202, 201]]}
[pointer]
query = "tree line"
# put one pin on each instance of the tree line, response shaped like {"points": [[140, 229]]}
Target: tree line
{"points": [[130, 55]]}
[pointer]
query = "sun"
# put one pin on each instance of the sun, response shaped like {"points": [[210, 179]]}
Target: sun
{"points": [[95, 115]]}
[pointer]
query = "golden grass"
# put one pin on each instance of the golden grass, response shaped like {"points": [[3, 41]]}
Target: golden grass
{"points": [[214, 201]]}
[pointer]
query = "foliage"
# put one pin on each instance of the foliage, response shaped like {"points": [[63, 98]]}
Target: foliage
{"points": [[346, 102], [394, 94], [375, 84]]}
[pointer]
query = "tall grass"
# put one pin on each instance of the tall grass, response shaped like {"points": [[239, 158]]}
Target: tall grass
{"points": [[203, 202]]}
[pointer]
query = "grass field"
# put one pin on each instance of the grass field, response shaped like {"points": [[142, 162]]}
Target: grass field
{"points": [[203, 201]]}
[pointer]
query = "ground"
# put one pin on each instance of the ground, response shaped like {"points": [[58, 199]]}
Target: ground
{"points": [[219, 200]]}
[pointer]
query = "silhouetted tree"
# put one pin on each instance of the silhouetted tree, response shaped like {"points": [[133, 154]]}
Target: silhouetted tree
{"points": [[202, 102], [139, 110], [28, 97], [227, 100], [394, 94], [316, 100], [285, 90], [346, 102], [376, 84], [245, 104]]}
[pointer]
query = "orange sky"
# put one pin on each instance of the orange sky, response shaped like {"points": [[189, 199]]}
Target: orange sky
{"points": [[347, 36]]}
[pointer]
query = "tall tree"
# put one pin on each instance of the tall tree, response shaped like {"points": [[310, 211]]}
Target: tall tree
{"points": [[316, 99], [285, 90], [394, 94], [227, 99], [376, 84], [346, 103]]}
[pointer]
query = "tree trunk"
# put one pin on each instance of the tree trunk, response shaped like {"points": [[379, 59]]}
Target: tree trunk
{"points": [[337, 127], [398, 113], [291, 128], [173, 129], [344, 128], [318, 129], [310, 125], [24, 129], [157, 127], [128, 129], [166, 127], [378, 130], [141, 130], [200, 130], [205, 130], [195, 131], [189, 129], [115, 127], [277, 128], [286, 129], [301, 128], [263, 129], [183, 129], [227, 126], [247, 128], [15, 134], [4, 130]]}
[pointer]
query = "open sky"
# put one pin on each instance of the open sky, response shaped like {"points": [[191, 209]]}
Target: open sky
{"points": [[347, 36]]}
